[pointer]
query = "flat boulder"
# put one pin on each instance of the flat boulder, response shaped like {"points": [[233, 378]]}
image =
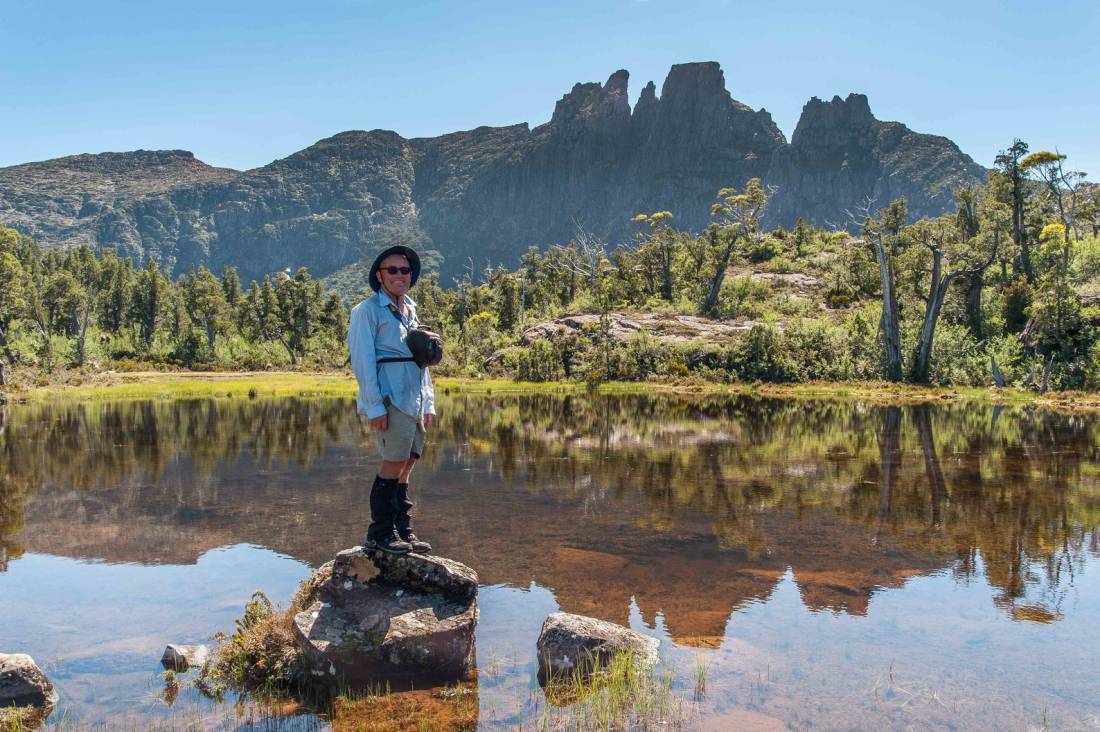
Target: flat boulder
{"points": [[180, 657], [377, 616], [571, 642], [23, 683], [428, 573]]}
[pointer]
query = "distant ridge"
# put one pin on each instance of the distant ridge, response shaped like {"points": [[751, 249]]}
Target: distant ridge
{"points": [[490, 192]]}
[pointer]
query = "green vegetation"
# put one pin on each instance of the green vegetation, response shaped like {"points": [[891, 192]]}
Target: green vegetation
{"points": [[1004, 290], [625, 694]]}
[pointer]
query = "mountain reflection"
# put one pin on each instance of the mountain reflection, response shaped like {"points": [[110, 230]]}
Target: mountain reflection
{"points": [[690, 506]]}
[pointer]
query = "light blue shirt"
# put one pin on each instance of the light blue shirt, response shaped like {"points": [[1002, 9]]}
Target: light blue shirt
{"points": [[374, 333]]}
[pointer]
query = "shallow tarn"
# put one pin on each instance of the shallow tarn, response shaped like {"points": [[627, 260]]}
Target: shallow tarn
{"points": [[829, 565]]}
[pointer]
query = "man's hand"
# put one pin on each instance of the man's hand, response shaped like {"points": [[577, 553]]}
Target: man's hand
{"points": [[429, 420], [380, 423]]}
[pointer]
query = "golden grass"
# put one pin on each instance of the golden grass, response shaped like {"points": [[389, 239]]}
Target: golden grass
{"points": [[207, 385]]}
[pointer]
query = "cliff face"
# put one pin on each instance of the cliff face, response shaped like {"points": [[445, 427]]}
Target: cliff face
{"points": [[841, 156], [487, 193]]}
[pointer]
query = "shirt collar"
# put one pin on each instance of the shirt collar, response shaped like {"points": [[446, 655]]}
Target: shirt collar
{"points": [[383, 300]]}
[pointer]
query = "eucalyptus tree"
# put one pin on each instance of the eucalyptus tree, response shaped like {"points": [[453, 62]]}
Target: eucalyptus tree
{"points": [[1009, 169], [736, 218], [953, 249], [659, 244]]}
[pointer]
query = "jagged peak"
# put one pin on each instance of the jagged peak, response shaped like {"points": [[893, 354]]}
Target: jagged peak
{"points": [[590, 99], [617, 83], [699, 76], [647, 102], [853, 111]]}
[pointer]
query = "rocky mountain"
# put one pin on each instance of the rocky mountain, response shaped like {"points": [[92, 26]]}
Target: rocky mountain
{"points": [[488, 193]]}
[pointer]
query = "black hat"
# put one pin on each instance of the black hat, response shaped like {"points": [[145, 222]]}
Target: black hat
{"points": [[407, 253]]}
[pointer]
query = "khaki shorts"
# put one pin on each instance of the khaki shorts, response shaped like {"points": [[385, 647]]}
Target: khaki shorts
{"points": [[403, 436]]}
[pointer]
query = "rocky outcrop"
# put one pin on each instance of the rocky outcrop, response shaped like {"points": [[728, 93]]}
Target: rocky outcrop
{"points": [[487, 193], [571, 643], [840, 156], [23, 683], [377, 616], [668, 328]]}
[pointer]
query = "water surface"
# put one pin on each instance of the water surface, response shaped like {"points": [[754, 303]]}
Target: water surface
{"points": [[833, 565]]}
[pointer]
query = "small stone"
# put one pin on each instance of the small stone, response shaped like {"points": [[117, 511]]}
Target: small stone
{"points": [[354, 565], [23, 683], [182, 657]]}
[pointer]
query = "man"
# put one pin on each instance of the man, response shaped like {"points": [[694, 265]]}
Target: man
{"points": [[395, 394]]}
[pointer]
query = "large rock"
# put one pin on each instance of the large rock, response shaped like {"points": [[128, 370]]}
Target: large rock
{"points": [[23, 683], [413, 617], [571, 642]]}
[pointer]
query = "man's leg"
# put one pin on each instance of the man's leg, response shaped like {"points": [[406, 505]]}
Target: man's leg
{"points": [[396, 443], [383, 509], [403, 506]]}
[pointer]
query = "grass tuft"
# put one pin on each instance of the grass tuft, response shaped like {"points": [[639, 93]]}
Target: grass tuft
{"points": [[623, 695]]}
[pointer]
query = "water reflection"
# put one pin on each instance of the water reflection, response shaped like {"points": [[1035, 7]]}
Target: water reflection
{"points": [[630, 495], [673, 512]]}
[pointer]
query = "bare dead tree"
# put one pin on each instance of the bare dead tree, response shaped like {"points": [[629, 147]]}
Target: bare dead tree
{"points": [[883, 233]]}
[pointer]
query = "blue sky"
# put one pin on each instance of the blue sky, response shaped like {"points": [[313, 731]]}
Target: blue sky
{"points": [[242, 83]]}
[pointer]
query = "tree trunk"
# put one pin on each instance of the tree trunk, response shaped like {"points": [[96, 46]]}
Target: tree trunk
{"points": [[891, 330], [6, 345], [937, 290], [719, 277], [998, 379], [83, 327], [666, 272], [1019, 233], [974, 304]]}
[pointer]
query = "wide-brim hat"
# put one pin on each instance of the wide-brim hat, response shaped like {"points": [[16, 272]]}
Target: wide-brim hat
{"points": [[404, 251]]}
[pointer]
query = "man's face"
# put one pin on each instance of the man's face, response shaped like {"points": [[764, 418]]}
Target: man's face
{"points": [[394, 284]]}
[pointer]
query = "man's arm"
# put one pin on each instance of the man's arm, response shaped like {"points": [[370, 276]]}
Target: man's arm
{"points": [[365, 364], [429, 392]]}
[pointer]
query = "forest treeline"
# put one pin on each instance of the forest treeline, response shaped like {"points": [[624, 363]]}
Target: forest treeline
{"points": [[1004, 289]]}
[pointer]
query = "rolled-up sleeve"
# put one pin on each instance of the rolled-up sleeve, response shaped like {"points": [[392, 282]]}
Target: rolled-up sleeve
{"points": [[368, 402], [429, 393]]}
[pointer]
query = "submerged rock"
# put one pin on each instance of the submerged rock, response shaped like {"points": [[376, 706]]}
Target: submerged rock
{"points": [[181, 657], [23, 683], [576, 642], [413, 616]]}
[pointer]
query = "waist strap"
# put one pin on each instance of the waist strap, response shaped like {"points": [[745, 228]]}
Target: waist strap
{"points": [[395, 359]]}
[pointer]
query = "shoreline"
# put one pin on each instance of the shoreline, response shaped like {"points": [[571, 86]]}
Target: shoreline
{"points": [[255, 384]]}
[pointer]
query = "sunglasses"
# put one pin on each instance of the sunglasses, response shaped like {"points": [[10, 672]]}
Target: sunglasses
{"points": [[396, 270]]}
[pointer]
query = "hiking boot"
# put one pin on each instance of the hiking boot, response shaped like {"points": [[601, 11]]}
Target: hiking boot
{"points": [[388, 542], [381, 535], [402, 520], [419, 546]]}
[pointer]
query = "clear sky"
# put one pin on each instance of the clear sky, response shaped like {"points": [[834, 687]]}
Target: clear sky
{"points": [[242, 83]]}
